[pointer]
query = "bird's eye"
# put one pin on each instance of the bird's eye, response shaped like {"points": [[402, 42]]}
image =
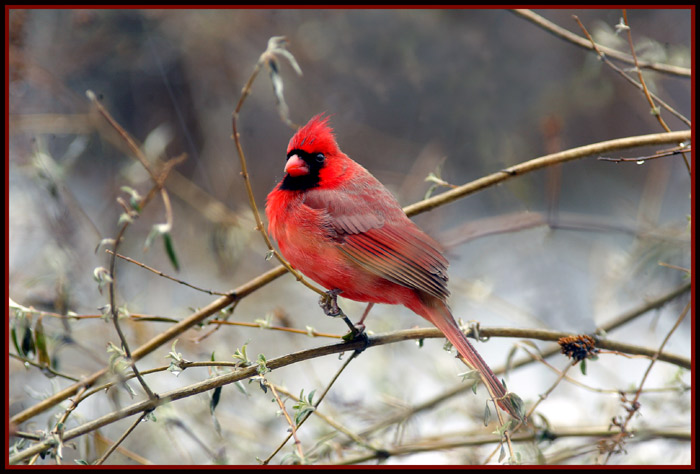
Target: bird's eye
{"points": [[320, 157]]}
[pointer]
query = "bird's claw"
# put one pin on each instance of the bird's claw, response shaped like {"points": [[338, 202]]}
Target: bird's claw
{"points": [[329, 303], [357, 333]]}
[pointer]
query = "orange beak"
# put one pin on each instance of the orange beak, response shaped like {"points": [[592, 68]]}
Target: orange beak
{"points": [[296, 166]]}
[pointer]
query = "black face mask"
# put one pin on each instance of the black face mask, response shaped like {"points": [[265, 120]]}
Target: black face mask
{"points": [[315, 161]]}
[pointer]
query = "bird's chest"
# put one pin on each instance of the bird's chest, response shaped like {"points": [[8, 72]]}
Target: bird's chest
{"points": [[304, 239], [299, 230]]}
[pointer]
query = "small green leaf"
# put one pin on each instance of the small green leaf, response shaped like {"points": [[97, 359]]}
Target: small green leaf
{"points": [[124, 217], [102, 277], [502, 429], [28, 342], [303, 406], [151, 236], [13, 336], [134, 197], [262, 364], [40, 339], [176, 360], [106, 311], [583, 366], [430, 191], [215, 399], [104, 243], [265, 323], [241, 355], [470, 375], [170, 250]]}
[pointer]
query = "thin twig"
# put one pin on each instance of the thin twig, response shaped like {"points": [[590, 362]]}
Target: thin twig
{"points": [[642, 159], [332, 423], [475, 439], [318, 402], [123, 451], [292, 427], [158, 186], [114, 445], [159, 273], [308, 332], [634, 405], [654, 109], [640, 85], [603, 57], [115, 312], [59, 427], [44, 368], [675, 267], [246, 177], [578, 41], [135, 149], [573, 381]]}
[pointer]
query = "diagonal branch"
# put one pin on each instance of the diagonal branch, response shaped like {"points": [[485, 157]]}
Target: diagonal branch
{"points": [[566, 35]]}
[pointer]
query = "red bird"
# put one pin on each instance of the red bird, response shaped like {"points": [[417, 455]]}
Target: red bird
{"points": [[338, 225]]}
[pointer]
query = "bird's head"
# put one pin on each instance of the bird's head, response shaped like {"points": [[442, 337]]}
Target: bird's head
{"points": [[312, 153]]}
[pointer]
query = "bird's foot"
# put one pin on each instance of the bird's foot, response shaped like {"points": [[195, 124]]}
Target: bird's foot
{"points": [[357, 333], [329, 303]]}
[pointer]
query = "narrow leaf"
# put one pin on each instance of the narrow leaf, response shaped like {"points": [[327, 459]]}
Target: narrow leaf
{"points": [[170, 250], [40, 339], [215, 398]]}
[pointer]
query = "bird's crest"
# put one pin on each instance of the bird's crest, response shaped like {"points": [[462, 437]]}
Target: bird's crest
{"points": [[315, 137]]}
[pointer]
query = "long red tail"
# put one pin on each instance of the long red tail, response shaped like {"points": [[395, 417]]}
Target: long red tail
{"points": [[441, 317]]}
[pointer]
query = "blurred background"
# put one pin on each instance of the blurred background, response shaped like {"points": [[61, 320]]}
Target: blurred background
{"points": [[457, 93]]}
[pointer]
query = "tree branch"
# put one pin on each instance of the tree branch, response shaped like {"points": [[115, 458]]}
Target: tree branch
{"points": [[566, 35]]}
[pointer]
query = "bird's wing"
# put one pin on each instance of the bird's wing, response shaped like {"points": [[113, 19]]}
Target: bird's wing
{"points": [[371, 228]]}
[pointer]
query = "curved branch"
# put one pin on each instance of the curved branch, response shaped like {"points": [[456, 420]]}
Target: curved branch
{"points": [[566, 35], [543, 162]]}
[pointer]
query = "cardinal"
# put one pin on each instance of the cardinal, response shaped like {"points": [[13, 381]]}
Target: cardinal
{"points": [[338, 225]]}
